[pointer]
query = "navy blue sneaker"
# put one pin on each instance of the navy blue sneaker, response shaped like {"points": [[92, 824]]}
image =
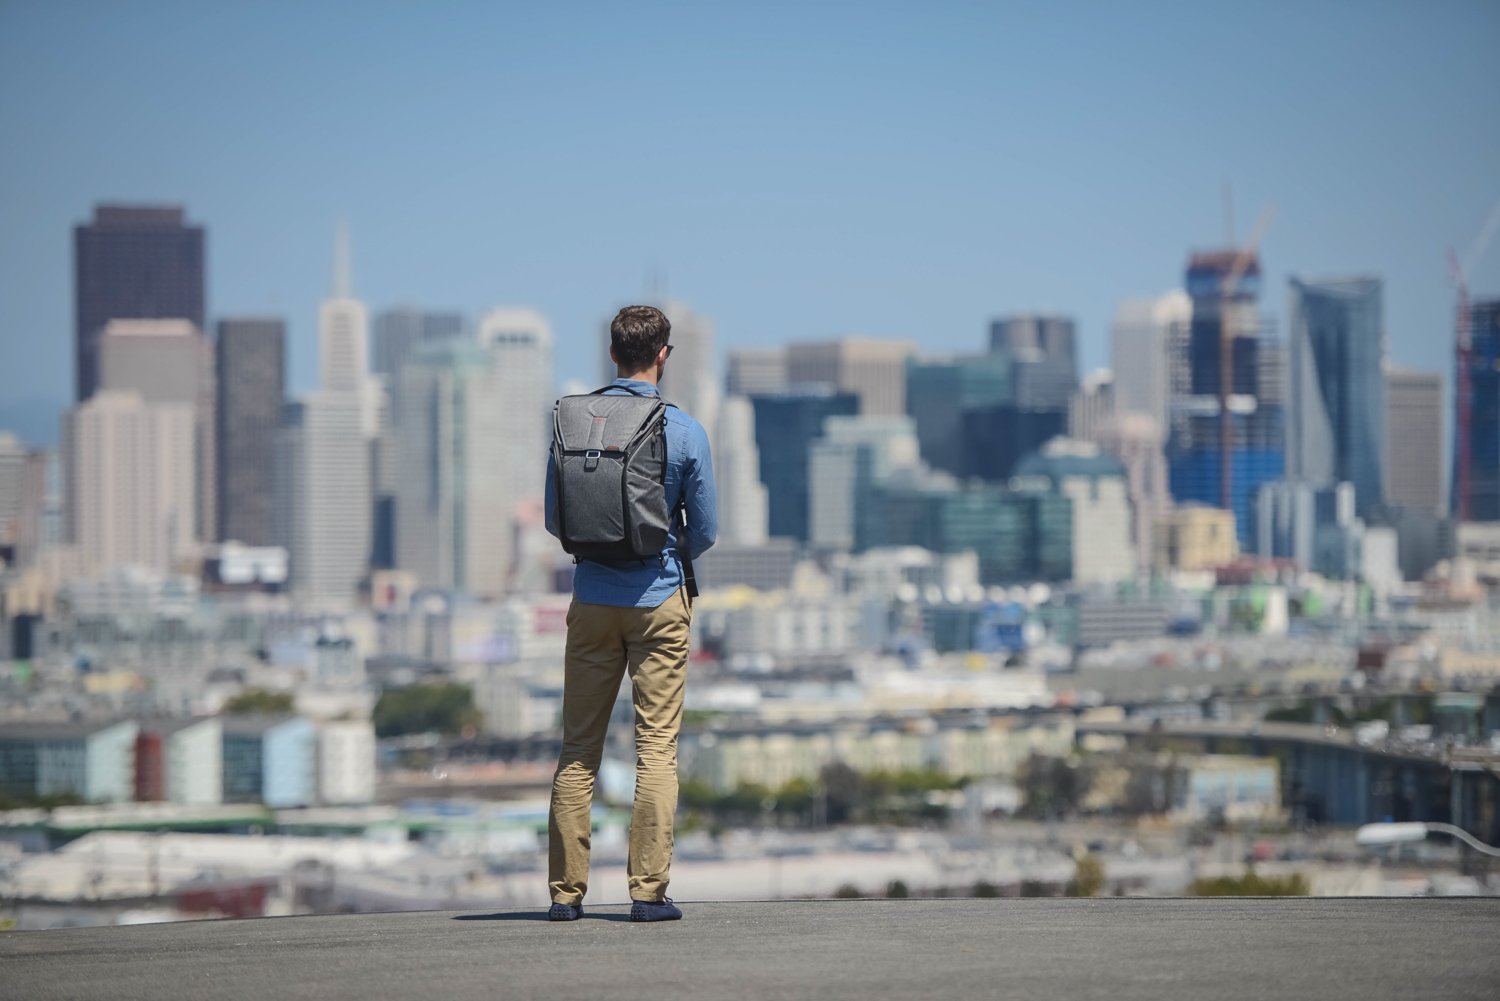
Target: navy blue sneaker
{"points": [[565, 912], [660, 910]]}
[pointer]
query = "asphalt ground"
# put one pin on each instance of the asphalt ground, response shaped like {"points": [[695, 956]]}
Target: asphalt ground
{"points": [[1119, 948]]}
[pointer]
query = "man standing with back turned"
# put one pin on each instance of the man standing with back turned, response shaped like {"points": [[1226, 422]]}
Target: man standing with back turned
{"points": [[628, 615]]}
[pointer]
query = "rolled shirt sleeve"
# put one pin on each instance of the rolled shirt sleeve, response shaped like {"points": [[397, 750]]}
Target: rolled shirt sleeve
{"points": [[700, 495]]}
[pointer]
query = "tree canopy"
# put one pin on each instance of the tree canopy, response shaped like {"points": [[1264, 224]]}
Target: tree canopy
{"points": [[260, 702], [440, 707]]}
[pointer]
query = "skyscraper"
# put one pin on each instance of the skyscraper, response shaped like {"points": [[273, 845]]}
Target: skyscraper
{"points": [[996, 438], [1044, 367], [520, 341], [1483, 417], [1148, 353], [1413, 460], [397, 333], [343, 371], [1227, 438], [1094, 403], [743, 511], [786, 425], [1195, 467], [251, 363], [322, 490], [1221, 318], [131, 475], [1136, 440], [1095, 484], [384, 470], [12, 491], [1336, 419], [874, 370], [343, 329], [169, 361], [400, 331], [34, 522], [132, 262], [455, 502], [756, 371], [939, 392], [845, 464]]}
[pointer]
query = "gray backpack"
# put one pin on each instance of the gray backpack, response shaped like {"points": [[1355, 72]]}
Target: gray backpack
{"points": [[610, 453]]}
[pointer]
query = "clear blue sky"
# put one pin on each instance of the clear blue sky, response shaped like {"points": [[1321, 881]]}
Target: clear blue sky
{"points": [[797, 171]]}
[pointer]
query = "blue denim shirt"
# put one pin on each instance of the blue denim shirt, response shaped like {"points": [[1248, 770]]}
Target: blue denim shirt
{"points": [[690, 477]]}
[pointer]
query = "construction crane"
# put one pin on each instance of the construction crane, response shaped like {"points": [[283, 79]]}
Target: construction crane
{"points": [[1244, 257], [1463, 358]]}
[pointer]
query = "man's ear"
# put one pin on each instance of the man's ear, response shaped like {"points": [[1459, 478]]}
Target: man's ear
{"points": [[612, 355]]}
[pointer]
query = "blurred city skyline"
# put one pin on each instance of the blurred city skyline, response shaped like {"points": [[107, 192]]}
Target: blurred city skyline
{"points": [[795, 174]]}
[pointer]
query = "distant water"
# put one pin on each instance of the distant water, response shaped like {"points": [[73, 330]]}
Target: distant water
{"points": [[35, 422]]}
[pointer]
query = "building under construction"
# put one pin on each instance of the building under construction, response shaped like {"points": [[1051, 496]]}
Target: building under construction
{"points": [[1227, 435], [1476, 493]]}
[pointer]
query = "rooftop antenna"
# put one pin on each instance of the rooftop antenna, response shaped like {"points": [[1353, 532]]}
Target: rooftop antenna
{"points": [[343, 268]]}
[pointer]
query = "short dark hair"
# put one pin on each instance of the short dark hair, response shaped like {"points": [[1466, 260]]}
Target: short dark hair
{"points": [[638, 333]]}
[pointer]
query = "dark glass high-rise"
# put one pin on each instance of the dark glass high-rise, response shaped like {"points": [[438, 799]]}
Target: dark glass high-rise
{"points": [[132, 263], [251, 378]]}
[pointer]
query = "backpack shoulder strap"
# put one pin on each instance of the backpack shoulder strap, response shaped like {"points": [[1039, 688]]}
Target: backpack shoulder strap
{"points": [[635, 392]]}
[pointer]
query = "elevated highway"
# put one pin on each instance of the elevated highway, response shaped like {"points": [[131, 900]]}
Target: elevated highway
{"points": [[1329, 776]]}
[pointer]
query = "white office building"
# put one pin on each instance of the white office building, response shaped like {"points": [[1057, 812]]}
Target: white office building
{"points": [[1092, 406], [743, 503], [322, 485], [461, 473], [343, 328], [1148, 354], [169, 361], [346, 762], [1414, 439], [1135, 439], [12, 486], [131, 474], [192, 760], [520, 344]]}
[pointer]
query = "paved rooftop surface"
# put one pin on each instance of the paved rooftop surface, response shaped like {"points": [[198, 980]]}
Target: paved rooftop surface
{"points": [[1056, 949]]}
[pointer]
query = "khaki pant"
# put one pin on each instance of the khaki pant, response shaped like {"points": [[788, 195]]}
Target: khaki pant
{"points": [[603, 642]]}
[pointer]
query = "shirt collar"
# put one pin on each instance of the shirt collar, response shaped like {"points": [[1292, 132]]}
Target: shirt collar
{"points": [[639, 385]]}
